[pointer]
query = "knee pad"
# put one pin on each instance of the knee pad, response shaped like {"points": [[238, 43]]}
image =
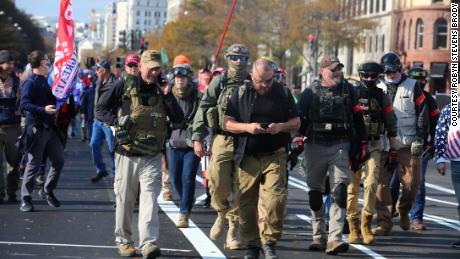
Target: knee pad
{"points": [[315, 199], [340, 195]]}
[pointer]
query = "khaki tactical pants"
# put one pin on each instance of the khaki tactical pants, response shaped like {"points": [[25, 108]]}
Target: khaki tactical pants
{"points": [[264, 175], [131, 173], [320, 159], [410, 171], [371, 171], [222, 177]]}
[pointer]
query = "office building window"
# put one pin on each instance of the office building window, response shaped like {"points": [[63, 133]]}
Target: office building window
{"points": [[383, 43], [440, 34], [419, 34]]}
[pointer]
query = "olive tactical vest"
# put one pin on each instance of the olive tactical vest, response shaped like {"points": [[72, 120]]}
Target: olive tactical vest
{"points": [[149, 128]]}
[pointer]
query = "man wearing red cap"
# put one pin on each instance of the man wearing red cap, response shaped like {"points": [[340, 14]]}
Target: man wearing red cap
{"points": [[132, 64]]}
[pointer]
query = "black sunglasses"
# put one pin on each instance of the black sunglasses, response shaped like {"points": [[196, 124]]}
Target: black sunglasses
{"points": [[131, 65], [238, 57], [369, 75]]}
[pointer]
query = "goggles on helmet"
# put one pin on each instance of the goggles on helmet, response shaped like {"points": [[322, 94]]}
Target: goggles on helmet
{"points": [[238, 57], [182, 71]]}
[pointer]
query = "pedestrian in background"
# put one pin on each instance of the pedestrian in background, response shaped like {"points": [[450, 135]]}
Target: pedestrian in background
{"points": [[10, 127], [106, 81], [41, 132]]}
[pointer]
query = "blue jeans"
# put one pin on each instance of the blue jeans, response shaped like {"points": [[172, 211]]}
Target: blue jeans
{"points": [[455, 168], [183, 166], [327, 200], [101, 131], [417, 209]]}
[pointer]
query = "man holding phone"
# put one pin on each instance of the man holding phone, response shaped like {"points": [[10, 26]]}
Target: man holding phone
{"points": [[41, 132]]}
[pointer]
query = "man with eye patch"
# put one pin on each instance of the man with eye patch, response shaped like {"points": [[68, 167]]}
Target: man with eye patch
{"points": [[378, 116], [412, 128]]}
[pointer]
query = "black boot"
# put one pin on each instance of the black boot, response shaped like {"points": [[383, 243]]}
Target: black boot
{"points": [[252, 252], [270, 251]]}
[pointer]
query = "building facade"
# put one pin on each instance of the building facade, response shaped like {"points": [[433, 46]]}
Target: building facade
{"points": [[422, 39]]}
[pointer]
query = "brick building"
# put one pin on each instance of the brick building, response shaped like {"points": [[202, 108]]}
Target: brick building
{"points": [[421, 39]]}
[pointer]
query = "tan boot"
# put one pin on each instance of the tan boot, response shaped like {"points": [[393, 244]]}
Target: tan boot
{"points": [[183, 221], [218, 228], [353, 237], [366, 232], [381, 231], [233, 242], [167, 196]]}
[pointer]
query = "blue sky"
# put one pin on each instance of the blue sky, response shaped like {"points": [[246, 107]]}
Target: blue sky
{"points": [[50, 8]]}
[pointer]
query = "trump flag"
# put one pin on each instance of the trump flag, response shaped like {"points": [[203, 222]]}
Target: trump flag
{"points": [[63, 74]]}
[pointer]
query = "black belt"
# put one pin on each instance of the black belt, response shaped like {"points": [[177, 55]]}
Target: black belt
{"points": [[221, 132]]}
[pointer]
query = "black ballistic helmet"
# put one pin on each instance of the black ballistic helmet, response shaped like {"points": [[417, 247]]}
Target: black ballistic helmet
{"points": [[390, 62], [370, 67], [418, 73]]}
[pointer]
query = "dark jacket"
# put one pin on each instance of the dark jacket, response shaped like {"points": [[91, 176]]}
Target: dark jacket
{"points": [[87, 104], [241, 107], [36, 94], [103, 92], [9, 105]]}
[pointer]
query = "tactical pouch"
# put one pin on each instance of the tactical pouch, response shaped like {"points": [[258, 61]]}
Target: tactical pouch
{"points": [[212, 118]]}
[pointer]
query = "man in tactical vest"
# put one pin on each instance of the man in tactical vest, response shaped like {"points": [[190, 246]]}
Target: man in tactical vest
{"points": [[330, 115], [10, 120], [221, 169], [378, 116], [261, 114], [137, 108], [412, 124]]}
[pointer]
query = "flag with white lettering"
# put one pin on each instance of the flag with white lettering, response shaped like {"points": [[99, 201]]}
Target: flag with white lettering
{"points": [[64, 72]]}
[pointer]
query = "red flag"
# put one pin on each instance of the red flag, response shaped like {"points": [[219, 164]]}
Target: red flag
{"points": [[65, 67]]}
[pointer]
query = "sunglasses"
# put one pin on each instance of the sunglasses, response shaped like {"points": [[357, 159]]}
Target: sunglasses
{"points": [[181, 71], [238, 57], [369, 76], [336, 69], [131, 65]]}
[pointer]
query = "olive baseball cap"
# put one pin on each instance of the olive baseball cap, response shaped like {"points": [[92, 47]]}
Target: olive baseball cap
{"points": [[330, 62], [151, 58]]}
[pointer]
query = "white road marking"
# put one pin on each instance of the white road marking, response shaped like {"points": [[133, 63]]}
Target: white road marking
{"points": [[441, 201], [439, 188], [359, 247], [76, 245], [204, 246]]}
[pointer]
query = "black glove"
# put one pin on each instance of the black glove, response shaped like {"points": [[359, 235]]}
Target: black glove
{"points": [[125, 122], [428, 153], [122, 136], [392, 160]]}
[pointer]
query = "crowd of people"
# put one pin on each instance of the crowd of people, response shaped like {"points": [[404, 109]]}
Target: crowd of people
{"points": [[158, 126]]}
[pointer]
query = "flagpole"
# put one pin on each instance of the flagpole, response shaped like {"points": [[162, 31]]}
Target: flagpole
{"points": [[222, 37]]}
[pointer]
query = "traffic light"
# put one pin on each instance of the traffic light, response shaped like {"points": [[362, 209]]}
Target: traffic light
{"points": [[312, 41], [122, 39]]}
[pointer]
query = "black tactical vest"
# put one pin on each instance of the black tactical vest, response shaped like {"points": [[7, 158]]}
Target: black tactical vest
{"points": [[330, 112]]}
